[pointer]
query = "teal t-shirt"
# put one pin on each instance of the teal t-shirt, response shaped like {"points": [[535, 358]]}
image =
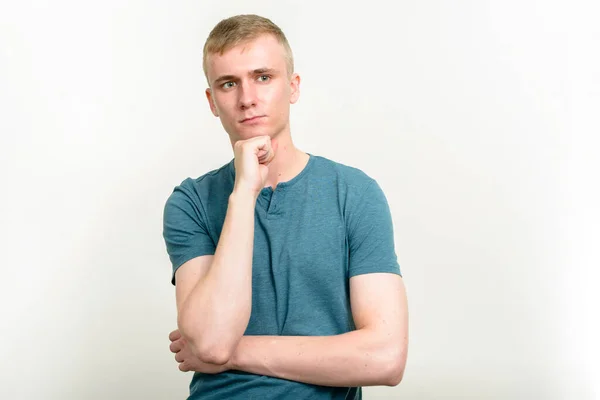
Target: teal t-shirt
{"points": [[312, 234]]}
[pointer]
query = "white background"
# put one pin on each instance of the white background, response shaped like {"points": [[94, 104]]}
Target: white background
{"points": [[478, 118]]}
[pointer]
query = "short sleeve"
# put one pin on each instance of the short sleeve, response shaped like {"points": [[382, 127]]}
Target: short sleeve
{"points": [[371, 234], [185, 228]]}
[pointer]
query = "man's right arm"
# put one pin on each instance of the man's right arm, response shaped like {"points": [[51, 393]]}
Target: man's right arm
{"points": [[214, 293]]}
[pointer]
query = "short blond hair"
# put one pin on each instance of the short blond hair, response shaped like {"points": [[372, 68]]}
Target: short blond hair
{"points": [[239, 29]]}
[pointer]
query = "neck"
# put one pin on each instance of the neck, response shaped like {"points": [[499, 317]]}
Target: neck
{"points": [[288, 162]]}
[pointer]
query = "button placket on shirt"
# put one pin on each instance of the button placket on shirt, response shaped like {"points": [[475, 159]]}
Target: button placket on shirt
{"points": [[274, 203]]}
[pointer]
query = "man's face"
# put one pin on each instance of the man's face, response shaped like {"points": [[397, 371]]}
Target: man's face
{"points": [[250, 90]]}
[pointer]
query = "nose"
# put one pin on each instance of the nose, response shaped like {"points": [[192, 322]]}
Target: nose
{"points": [[247, 96]]}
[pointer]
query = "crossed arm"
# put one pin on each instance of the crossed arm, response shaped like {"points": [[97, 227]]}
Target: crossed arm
{"points": [[373, 354]]}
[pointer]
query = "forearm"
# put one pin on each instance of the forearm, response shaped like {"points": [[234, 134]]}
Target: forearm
{"points": [[216, 313], [357, 358]]}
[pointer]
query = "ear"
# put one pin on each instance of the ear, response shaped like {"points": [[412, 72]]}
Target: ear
{"points": [[211, 102], [295, 88]]}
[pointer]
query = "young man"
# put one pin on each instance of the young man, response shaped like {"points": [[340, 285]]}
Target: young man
{"points": [[287, 282]]}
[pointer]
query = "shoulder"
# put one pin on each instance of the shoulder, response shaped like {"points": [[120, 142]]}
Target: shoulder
{"points": [[356, 192], [200, 188], [348, 178]]}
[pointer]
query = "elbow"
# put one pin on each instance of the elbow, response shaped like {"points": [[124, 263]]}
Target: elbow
{"points": [[210, 352], [206, 349], [212, 355], [394, 377], [395, 364]]}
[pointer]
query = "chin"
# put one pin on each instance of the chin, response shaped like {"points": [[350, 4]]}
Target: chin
{"points": [[248, 132], [254, 131]]}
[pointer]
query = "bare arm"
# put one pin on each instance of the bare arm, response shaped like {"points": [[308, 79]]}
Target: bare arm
{"points": [[374, 354], [214, 300], [214, 310]]}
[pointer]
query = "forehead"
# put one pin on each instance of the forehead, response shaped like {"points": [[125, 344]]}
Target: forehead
{"points": [[262, 52]]}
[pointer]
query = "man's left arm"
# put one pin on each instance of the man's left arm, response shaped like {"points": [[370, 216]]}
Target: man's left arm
{"points": [[373, 354]]}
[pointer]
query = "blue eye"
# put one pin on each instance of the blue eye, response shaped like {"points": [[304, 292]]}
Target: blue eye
{"points": [[226, 85], [264, 76]]}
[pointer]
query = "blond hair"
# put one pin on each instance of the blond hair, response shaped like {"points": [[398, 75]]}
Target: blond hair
{"points": [[239, 29]]}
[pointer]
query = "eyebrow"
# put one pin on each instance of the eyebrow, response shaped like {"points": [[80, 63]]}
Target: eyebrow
{"points": [[226, 78]]}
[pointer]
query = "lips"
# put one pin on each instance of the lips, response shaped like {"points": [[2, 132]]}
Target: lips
{"points": [[252, 119]]}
